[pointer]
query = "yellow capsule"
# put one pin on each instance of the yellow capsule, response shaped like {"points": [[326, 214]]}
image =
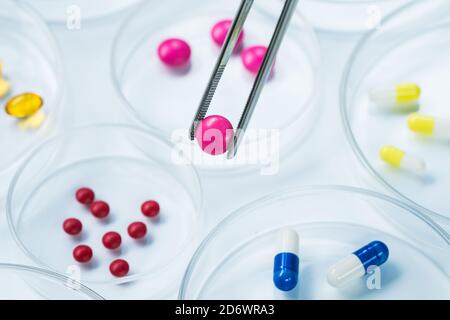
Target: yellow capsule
{"points": [[437, 127], [32, 122], [24, 105], [399, 97], [392, 155], [421, 124], [400, 159], [407, 93]]}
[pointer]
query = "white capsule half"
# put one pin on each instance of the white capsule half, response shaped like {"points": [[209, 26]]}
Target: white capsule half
{"points": [[289, 241], [345, 271]]}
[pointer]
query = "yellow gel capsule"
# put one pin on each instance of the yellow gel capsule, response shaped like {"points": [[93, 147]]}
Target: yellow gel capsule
{"points": [[392, 155], [24, 105], [407, 93]]}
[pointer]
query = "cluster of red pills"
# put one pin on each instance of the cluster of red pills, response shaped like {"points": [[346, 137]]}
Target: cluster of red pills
{"points": [[176, 52], [111, 240]]}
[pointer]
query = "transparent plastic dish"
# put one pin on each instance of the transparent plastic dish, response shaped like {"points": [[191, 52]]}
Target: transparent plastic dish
{"points": [[125, 166], [31, 63], [348, 15], [65, 10], [235, 261], [419, 28], [19, 282], [167, 100]]}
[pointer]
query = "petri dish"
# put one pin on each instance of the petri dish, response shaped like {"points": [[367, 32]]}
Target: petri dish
{"points": [[67, 10], [20, 282], [235, 261], [353, 16], [31, 63], [417, 28], [125, 166], [285, 112]]}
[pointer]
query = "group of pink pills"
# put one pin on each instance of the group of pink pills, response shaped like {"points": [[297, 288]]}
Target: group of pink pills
{"points": [[176, 52], [111, 240], [215, 132]]}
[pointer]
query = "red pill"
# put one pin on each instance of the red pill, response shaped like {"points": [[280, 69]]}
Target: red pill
{"points": [[100, 209], [137, 230], [119, 268], [72, 226], [150, 208], [85, 196], [112, 240], [82, 253]]}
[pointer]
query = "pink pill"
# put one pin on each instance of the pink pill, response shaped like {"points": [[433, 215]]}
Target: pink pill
{"points": [[174, 52], [253, 57], [214, 134], [220, 30]]}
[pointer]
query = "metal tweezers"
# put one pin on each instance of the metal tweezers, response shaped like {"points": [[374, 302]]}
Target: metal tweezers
{"points": [[261, 78]]}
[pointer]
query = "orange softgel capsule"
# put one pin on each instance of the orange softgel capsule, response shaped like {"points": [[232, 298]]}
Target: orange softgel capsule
{"points": [[24, 105]]}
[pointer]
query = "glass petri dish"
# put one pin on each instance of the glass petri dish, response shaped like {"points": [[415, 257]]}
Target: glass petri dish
{"points": [[153, 94], [19, 282], [125, 166], [348, 15], [31, 63], [417, 28], [235, 261], [65, 10]]}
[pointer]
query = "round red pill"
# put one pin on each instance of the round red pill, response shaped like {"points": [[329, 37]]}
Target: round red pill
{"points": [[72, 226], [112, 240], [174, 52], [119, 268], [137, 230], [100, 209], [220, 30], [150, 208], [85, 196], [82, 253]]}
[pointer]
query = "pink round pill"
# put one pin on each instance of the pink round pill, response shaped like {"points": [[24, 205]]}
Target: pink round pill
{"points": [[253, 57], [214, 134], [174, 52], [220, 30]]}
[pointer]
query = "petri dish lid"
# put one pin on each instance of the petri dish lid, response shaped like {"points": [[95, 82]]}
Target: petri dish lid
{"points": [[235, 261], [354, 16], [285, 113], [68, 11], [420, 28], [31, 63], [31, 283]]}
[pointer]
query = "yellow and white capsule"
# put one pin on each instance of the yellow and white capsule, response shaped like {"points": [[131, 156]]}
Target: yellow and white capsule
{"points": [[398, 158], [400, 97], [429, 125]]}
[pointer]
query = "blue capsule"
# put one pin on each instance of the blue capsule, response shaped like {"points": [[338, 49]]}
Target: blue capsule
{"points": [[357, 264], [286, 262], [373, 254]]}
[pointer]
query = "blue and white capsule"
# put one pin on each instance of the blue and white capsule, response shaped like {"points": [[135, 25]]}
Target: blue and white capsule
{"points": [[286, 261], [357, 264]]}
